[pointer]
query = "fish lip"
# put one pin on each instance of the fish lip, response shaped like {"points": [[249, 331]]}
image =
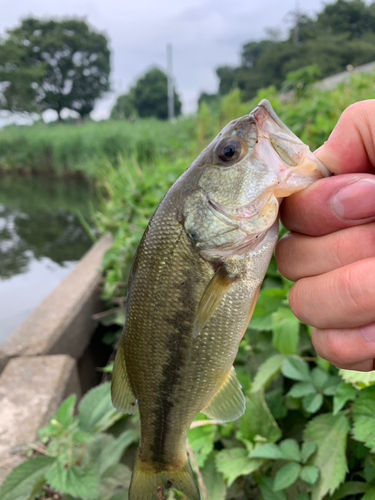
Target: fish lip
{"points": [[266, 105]]}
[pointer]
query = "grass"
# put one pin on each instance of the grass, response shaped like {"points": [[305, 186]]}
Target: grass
{"points": [[63, 149]]}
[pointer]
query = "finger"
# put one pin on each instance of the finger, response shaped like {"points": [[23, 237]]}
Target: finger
{"points": [[347, 348], [330, 204], [299, 256], [343, 298], [351, 145]]}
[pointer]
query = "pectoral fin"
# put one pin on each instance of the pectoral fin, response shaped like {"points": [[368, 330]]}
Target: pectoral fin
{"points": [[211, 298], [229, 402], [123, 398]]}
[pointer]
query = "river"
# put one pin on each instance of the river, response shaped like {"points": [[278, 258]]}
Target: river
{"points": [[41, 240]]}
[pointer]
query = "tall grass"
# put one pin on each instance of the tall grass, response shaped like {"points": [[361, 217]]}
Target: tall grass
{"points": [[66, 149]]}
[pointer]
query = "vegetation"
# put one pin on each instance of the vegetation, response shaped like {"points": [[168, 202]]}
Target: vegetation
{"points": [[307, 433], [49, 64], [62, 149], [148, 97], [343, 33]]}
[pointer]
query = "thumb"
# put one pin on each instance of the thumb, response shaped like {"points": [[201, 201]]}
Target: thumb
{"points": [[351, 146]]}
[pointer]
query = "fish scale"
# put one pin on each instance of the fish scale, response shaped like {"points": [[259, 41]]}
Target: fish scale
{"points": [[192, 289]]}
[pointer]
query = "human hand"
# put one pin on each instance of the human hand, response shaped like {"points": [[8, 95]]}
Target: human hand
{"points": [[330, 252]]}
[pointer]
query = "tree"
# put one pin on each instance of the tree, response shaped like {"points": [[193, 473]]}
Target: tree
{"points": [[343, 33], [50, 64], [123, 108], [150, 95]]}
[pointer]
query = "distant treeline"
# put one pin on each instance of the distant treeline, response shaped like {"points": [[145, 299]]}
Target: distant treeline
{"points": [[342, 34]]}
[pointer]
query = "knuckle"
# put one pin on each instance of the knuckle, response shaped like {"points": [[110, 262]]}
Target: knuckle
{"points": [[351, 290]]}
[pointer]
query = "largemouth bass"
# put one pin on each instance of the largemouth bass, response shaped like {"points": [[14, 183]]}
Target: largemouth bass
{"points": [[192, 289]]}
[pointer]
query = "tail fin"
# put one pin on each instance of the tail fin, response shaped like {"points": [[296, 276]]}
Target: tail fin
{"points": [[149, 484]]}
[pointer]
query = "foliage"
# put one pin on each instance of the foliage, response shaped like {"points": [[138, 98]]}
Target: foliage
{"points": [[148, 97], [77, 456], [65, 150], [342, 34], [50, 64], [123, 109], [307, 432]]}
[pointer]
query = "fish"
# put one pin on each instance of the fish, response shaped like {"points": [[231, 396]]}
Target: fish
{"points": [[192, 289]]}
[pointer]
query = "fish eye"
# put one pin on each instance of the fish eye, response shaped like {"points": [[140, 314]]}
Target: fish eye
{"points": [[229, 150]]}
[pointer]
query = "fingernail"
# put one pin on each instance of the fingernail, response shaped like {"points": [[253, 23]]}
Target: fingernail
{"points": [[355, 201], [368, 331]]}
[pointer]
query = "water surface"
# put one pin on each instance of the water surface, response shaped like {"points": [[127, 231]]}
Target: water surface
{"points": [[41, 239]]}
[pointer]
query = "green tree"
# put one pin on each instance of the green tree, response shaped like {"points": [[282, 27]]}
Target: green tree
{"points": [[150, 95], [343, 33], [123, 108], [50, 64]]}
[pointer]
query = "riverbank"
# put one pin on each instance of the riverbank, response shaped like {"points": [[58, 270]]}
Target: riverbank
{"points": [[39, 360], [80, 150]]}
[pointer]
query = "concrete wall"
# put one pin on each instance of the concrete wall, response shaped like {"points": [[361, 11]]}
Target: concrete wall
{"points": [[38, 362]]}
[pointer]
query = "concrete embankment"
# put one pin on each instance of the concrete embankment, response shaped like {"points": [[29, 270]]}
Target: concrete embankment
{"points": [[38, 362]]}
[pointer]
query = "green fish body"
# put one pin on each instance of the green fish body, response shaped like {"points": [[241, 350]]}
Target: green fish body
{"points": [[192, 289]]}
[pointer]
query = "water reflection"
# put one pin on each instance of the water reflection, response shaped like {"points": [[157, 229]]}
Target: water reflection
{"points": [[41, 237]]}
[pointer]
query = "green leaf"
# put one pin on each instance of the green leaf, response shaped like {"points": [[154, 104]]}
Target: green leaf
{"points": [[66, 410], [319, 377], [76, 481], [360, 379], [286, 476], [312, 402], [296, 369], [213, 480], [348, 489], [105, 451], [303, 496], [344, 393], [201, 440], [329, 433], [96, 412], [115, 477], [268, 450], [309, 474], [285, 327], [301, 389], [268, 493], [20, 483], [258, 420], [269, 300], [307, 450], [261, 324], [369, 495], [235, 462], [267, 372], [290, 449], [363, 416]]}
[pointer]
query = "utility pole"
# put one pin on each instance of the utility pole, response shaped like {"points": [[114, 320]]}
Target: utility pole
{"points": [[296, 24], [170, 83]]}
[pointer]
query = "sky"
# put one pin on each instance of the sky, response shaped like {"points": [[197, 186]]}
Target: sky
{"points": [[204, 34]]}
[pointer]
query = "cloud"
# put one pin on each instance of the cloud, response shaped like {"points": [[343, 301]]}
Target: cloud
{"points": [[205, 34]]}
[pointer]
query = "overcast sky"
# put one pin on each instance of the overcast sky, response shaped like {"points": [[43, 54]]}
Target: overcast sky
{"points": [[204, 33]]}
